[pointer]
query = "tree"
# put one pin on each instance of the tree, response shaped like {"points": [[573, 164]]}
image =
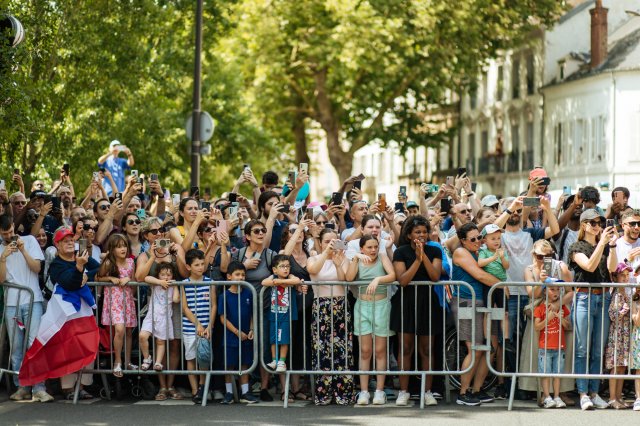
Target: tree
{"points": [[369, 70]]}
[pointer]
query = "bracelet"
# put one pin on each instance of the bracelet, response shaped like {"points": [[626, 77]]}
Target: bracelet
{"points": [[613, 246], [508, 211]]}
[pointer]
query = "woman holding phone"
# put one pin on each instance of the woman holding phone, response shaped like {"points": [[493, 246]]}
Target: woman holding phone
{"points": [[189, 219], [331, 324]]}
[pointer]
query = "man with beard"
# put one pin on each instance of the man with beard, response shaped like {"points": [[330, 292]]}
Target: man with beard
{"points": [[461, 215], [569, 222], [66, 202], [628, 247]]}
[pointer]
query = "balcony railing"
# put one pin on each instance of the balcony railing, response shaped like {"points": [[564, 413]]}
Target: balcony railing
{"points": [[512, 162]]}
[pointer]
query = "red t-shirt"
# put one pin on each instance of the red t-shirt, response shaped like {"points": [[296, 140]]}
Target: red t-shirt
{"points": [[553, 333]]}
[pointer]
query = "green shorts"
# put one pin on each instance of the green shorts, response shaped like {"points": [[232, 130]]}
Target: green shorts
{"points": [[367, 314]]}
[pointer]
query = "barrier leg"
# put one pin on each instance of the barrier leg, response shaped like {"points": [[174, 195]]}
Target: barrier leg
{"points": [[76, 391], [205, 392], [285, 391], [423, 379], [512, 392], [105, 384], [447, 389]]}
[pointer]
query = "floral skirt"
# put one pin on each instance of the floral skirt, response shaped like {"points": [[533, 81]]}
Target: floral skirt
{"points": [[332, 350]]}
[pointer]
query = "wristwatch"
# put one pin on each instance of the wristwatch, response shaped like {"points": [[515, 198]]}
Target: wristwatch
{"points": [[508, 211]]}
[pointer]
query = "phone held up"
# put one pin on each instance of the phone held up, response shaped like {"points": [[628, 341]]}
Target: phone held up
{"points": [[531, 202], [382, 202]]}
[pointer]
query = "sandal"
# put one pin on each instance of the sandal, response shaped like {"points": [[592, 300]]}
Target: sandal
{"points": [[157, 366], [131, 366], [85, 395], [291, 399], [146, 363], [300, 395], [162, 395], [117, 370], [174, 394]]}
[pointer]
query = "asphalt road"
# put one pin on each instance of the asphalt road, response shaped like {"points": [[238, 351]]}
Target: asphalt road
{"points": [[98, 413]]}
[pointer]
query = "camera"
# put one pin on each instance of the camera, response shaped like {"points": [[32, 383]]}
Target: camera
{"points": [[163, 243]]}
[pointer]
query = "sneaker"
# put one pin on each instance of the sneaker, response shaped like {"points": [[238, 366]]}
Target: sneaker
{"points": [[599, 402], [281, 367], [363, 398], [218, 396], [272, 365], [20, 394], [484, 397], [228, 399], [265, 396], [197, 398], [559, 402], [585, 403], [42, 396], [468, 399], [500, 393], [437, 395], [379, 397], [549, 402], [247, 398], [403, 398], [429, 399], [636, 405]]}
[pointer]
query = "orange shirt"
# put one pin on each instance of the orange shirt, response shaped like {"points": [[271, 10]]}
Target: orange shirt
{"points": [[553, 335]]}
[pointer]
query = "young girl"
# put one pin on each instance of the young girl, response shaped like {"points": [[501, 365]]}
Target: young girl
{"points": [[119, 309], [635, 343], [617, 354], [158, 321]]}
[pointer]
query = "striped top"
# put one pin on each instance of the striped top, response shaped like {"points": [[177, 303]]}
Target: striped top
{"points": [[199, 303]]}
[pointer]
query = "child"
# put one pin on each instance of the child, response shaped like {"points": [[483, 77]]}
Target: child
{"points": [[617, 353], [119, 309], [198, 316], [635, 340], [493, 259], [283, 310], [551, 320], [158, 320], [235, 308]]}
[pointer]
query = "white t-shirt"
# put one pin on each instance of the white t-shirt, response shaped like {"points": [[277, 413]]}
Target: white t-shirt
{"points": [[622, 251], [353, 248], [18, 272]]}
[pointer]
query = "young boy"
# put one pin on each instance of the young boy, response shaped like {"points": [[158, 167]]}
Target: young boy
{"points": [[551, 320], [235, 307], [283, 310], [493, 259], [198, 316]]}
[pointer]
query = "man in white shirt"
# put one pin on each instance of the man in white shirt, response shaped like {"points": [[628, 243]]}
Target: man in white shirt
{"points": [[628, 247], [19, 265]]}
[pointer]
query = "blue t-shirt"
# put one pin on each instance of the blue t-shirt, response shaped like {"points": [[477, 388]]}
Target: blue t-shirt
{"points": [[239, 310], [116, 167], [283, 304], [460, 274]]}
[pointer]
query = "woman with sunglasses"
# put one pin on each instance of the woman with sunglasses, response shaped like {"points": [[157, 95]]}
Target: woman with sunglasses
{"points": [[131, 229], [465, 268], [592, 258], [215, 241], [89, 229], [535, 273]]}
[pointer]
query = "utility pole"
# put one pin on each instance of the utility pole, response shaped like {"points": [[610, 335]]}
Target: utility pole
{"points": [[197, 83]]}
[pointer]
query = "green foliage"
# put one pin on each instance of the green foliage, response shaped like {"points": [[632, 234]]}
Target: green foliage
{"points": [[90, 72]]}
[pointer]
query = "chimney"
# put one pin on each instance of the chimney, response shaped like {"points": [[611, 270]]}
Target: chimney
{"points": [[598, 34]]}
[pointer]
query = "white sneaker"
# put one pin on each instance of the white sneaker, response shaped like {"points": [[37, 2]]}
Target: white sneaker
{"points": [[559, 402], [548, 402], [636, 405], [429, 399], [272, 365], [281, 367], [20, 394], [42, 396], [379, 397], [403, 398], [599, 402], [585, 403], [363, 398]]}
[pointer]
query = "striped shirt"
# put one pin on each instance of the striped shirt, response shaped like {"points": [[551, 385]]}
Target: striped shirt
{"points": [[199, 303]]}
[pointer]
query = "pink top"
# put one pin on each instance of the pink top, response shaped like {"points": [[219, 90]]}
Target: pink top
{"points": [[327, 273]]}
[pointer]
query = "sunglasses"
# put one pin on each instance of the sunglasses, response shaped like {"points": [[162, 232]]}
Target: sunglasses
{"points": [[321, 222], [208, 229], [21, 203], [633, 224], [133, 221], [474, 239], [104, 207], [542, 256], [519, 211], [88, 227], [594, 223], [259, 231], [464, 211], [156, 231]]}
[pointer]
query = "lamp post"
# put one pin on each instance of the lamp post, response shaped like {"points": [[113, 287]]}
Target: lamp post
{"points": [[195, 129]]}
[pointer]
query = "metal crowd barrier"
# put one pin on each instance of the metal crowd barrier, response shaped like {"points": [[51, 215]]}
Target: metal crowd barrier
{"points": [[176, 363], [585, 323], [11, 328], [340, 306]]}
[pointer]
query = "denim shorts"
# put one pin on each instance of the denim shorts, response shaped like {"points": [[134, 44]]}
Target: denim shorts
{"points": [[369, 315], [550, 361]]}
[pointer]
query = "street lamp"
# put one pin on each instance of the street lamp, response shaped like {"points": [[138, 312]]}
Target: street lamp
{"points": [[197, 83], [11, 24]]}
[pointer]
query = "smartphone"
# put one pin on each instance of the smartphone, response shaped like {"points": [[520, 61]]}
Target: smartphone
{"points": [[14, 239], [65, 167], [304, 167], [382, 201], [194, 192], [233, 197], [360, 177], [330, 225], [56, 203], [548, 262], [462, 170], [205, 205], [308, 214], [134, 173], [154, 176], [246, 167], [122, 148], [141, 213], [566, 190], [141, 181], [96, 176], [450, 181], [340, 245], [2, 185], [285, 208], [474, 185], [445, 205], [611, 223], [119, 196], [398, 207], [545, 181], [336, 198], [233, 210], [292, 177], [403, 190], [175, 199], [531, 202], [82, 246], [16, 171], [357, 184], [47, 198]]}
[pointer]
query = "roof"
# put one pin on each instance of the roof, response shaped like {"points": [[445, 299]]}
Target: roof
{"points": [[576, 10]]}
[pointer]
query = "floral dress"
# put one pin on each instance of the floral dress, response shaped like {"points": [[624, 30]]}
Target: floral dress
{"points": [[617, 354], [119, 306], [635, 341]]}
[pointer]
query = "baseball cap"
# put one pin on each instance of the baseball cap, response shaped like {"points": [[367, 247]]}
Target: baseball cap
{"points": [[490, 229], [37, 194], [489, 200], [61, 233], [538, 172], [623, 267], [113, 143], [589, 214], [411, 204]]}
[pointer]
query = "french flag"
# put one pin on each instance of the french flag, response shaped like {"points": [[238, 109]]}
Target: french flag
{"points": [[67, 339]]}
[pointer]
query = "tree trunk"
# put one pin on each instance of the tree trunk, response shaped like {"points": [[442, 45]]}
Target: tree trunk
{"points": [[299, 133], [342, 161]]}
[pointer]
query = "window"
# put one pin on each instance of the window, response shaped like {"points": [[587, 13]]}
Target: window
{"points": [[515, 79], [500, 83], [599, 140], [580, 141], [515, 138], [557, 140], [471, 149], [531, 74], [484, 143], [473, 97], [562, 65], [567, 143]]}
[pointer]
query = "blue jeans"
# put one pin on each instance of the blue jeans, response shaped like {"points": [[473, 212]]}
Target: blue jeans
{"points": [[589, 322], [13, 315], [550, 361], [516, 313]]}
